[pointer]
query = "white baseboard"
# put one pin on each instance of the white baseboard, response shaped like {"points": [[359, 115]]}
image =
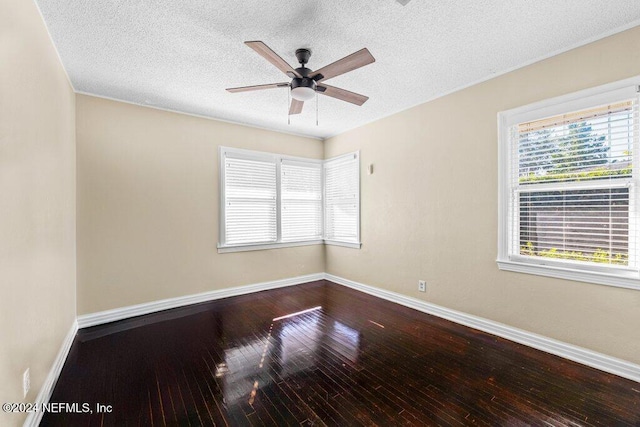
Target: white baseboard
{"points": [[34, 418], [568, 351], [93, 319]]}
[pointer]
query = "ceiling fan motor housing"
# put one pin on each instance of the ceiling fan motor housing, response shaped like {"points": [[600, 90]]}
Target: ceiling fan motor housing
{"points": [[303, 82]]}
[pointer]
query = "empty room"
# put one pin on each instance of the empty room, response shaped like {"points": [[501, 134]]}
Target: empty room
{"points": [[318, 213]]}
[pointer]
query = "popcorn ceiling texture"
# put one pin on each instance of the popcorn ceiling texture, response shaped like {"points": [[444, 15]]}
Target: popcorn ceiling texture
{"points": [[181, 55]]}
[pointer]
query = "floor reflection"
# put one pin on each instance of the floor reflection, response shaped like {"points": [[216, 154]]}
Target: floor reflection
{"points": [[299, 339], [243, 371], [345, 341], [293, 345]]}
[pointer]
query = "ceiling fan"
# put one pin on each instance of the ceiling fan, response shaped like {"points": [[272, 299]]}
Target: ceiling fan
{"points": [[305, 82]]}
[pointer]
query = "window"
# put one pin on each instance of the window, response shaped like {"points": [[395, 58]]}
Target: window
{"points": [[301, 200], [250, 199], [342, 200], [569, 187], [270, 200]]}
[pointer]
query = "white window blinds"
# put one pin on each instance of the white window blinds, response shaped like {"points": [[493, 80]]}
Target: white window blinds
{"points": [[301, 191], [272, 200], [573, 187], [342, 199], [250, 196]]}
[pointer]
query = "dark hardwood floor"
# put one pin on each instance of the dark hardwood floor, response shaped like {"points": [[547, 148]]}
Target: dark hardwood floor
{"points": [[352, 359]]}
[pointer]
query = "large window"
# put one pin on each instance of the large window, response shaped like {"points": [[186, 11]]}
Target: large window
{"points": [[569, 187], [270, 200]]}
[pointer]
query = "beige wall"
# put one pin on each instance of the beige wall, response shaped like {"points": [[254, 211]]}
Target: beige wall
{"points": [[429, 211], [37, 203], [148, 206]]}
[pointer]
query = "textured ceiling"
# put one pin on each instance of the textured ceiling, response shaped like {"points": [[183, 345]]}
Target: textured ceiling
{"points": [[181, 55]]}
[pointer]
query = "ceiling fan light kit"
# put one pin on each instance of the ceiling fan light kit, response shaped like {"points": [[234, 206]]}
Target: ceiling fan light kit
{"points": [[302, 93], [306, 83]]}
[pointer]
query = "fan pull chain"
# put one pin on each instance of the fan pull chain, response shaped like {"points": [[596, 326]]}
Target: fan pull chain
{"points": [[316, 108]]}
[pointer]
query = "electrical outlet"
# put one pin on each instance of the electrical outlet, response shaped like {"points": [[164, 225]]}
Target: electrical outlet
{"points": [[26, 382], [422, 286]]}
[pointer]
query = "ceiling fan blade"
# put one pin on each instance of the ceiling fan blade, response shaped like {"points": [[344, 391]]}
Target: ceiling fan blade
{"points": [[348, 63], [342, 94], [296, 107], [256, 87], [267, 53]]}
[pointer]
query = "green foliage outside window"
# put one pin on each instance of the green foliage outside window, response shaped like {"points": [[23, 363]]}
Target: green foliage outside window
{"points": [[599, 256], [598, 173]]}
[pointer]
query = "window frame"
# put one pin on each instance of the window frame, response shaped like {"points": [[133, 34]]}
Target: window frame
{"points": [[600, 95], [334, 242], [286, 161], [222, 247]]}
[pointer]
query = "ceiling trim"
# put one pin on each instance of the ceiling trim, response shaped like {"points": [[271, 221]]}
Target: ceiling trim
{"points": [[55, 48], [167, 110]]}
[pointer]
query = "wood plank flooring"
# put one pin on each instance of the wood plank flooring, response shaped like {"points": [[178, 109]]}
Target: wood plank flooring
{"points": [[351, 359]]}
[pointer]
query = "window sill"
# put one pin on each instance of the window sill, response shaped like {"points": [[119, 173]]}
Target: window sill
{"points": [[264, 246], [353, 245], [260, 247], [622, 279]]}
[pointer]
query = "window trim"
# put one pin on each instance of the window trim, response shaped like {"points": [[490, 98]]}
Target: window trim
{"points": [[277, 159], [264, 246], [571, 102]]}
